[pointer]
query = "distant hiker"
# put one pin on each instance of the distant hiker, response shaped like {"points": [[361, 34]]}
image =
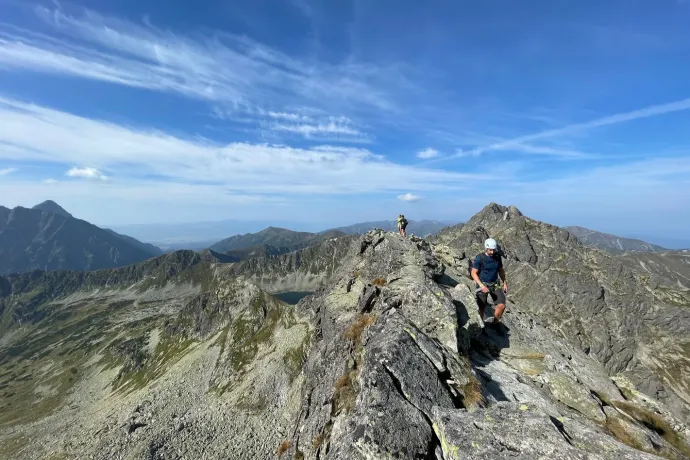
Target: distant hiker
{"points": [[485, 271], [402, 224]]}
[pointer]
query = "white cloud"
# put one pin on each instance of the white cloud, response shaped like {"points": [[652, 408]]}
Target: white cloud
{"points": [[409, 197], [551, 151], [6, 171], [459, 153], [50, 181], [291, 116], [530, 149], [86, 173], [427, 153], [235, 168], [340, 127], [217, 67]]}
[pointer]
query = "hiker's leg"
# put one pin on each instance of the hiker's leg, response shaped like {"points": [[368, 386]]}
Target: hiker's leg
{"points": [[481, 302], [500, 303], [494, 299]]}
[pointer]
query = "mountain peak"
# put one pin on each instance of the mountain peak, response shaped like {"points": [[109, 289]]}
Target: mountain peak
{"points": [[51, 206], [273, 229], [495, 208]]}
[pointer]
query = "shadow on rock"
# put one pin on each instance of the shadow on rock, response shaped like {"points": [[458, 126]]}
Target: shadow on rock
{"points": [[481, 342], [446, 280]]}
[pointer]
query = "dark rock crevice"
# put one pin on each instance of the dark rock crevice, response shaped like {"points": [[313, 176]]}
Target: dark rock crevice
{"points": [[435, 442], [444, 375]]}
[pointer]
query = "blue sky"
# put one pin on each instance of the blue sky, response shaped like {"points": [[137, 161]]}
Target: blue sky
{"points": [[334, 112]]}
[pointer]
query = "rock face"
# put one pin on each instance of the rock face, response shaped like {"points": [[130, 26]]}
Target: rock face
{"points": [[48, 238], [612, 243], [301, 270], [670, 269], [635, 327], [185, 357]]}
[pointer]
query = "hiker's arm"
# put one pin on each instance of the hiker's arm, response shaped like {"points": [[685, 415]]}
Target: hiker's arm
{"points": [[502, 273], [475, 276]]}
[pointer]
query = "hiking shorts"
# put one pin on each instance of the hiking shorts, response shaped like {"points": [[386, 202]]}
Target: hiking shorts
{"points": [[497, 295]]}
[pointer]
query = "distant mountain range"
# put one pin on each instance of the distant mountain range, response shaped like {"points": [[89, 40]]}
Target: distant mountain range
{"points": [[270, 242], [274, 241], [49, 238], [200, 235], [611, 243]]}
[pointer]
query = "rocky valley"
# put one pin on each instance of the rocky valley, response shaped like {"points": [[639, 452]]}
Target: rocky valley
{"points": [[189, 355]]}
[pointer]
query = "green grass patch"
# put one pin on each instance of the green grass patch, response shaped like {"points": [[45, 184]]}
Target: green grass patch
{"points": [[294, 358], [169, 351]]}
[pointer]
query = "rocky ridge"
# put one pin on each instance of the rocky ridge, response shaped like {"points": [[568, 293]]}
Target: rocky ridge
{"points": [[636, 326], [388, 357]]}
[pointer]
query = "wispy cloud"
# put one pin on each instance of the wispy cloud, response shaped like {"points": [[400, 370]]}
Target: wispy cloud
{"points": [[50, 181], [235, 167], [86, 173], [340, 127], [427, 153], [6, 171], [219, 67], [520, 143], [291, 116], [546, 150], [459, 153], [409, 197]]}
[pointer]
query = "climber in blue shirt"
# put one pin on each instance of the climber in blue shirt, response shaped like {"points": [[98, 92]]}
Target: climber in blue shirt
{"points": [[485, 272]]}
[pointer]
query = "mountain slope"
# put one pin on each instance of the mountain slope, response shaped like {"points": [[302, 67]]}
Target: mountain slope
{"points": [[611, 243], [52, 239], [270, 242], [670, 269], [145, 247], [185, 357]]}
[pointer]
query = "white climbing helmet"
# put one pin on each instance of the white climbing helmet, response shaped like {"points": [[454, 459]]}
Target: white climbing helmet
{"points": [[490, 244]]}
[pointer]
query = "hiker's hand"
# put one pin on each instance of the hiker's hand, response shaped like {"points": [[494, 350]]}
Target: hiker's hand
{"points": [[505, 288], [485, 289]]}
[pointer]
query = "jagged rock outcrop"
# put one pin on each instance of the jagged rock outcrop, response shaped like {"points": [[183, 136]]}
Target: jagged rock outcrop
{"points": [[415, 368], [636, 328], [387, 359]]}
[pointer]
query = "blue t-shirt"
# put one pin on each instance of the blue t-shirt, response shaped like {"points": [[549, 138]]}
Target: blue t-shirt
{"points": [[489, 272]]}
